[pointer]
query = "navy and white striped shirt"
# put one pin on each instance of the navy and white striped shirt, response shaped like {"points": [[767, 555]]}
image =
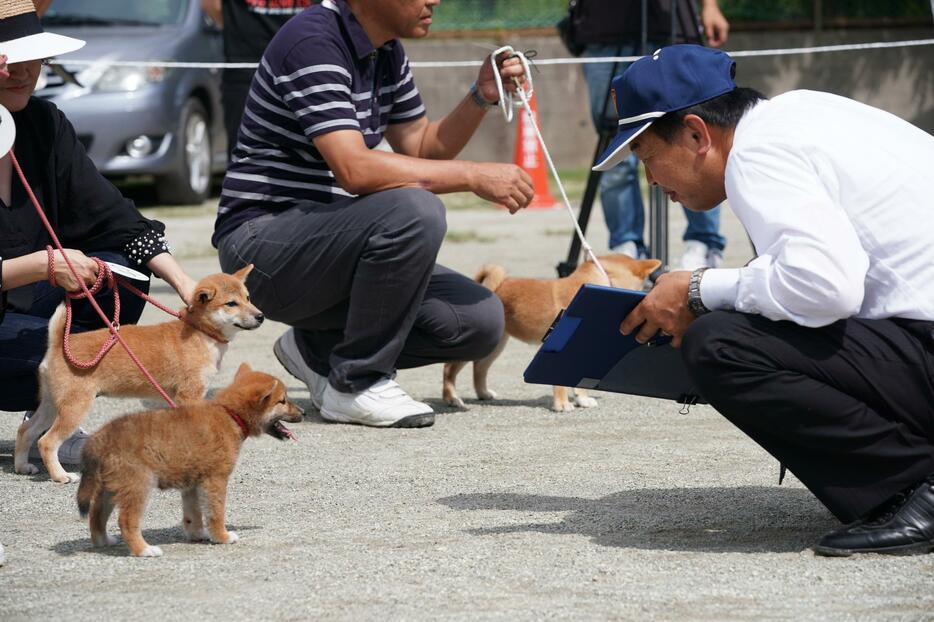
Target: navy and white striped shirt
{"points": [[319, 74]]}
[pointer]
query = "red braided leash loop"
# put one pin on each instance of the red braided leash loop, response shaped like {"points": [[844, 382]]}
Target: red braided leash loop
{"points": [[103, 274]]}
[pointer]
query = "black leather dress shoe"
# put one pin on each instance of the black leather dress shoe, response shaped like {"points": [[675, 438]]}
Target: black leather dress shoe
{"points": [[905, 526]]}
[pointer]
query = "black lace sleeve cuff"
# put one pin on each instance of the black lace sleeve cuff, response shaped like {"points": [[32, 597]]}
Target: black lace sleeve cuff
{"points": [[146, 246]]}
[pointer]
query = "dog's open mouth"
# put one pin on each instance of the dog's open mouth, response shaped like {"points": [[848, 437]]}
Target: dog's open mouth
{"points": [[278, 430]]}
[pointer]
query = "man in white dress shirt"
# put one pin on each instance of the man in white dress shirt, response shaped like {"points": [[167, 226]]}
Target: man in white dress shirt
{"points": [[821, 349]]}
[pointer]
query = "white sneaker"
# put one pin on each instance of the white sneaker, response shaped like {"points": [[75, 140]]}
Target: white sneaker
{"points": [[699, 255], [384, 405], [70, 450], [286, 350], [627, 248]]}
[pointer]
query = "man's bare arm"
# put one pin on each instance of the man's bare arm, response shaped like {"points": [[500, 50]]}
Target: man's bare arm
{"points": [[212, 8], [360, 170]]}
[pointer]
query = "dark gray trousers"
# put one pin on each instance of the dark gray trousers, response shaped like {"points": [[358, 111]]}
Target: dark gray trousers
{"points": [[847, 407], [358, 280]]}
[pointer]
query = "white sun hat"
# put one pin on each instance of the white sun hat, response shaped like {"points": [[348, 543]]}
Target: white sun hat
{"points": [[22, 38]]}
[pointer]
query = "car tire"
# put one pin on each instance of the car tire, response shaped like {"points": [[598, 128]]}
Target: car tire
{"points": [[190, 183]]}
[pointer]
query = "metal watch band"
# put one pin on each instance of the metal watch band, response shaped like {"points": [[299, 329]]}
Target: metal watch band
{"points": [[478, 99], [695, 303]]}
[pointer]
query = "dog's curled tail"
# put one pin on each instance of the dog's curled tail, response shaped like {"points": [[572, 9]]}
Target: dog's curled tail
{"points": [[491, 276], [90, 483], [57, 329]]}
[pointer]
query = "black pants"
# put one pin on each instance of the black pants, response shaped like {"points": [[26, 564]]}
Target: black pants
{"points": [[358, 279], [849, 408]]}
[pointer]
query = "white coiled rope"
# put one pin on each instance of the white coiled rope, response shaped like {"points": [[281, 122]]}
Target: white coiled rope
{"points": [[507, 102]]}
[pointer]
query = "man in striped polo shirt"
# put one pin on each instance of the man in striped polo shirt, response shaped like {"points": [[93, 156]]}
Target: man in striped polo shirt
{"points": [[343, 236]]}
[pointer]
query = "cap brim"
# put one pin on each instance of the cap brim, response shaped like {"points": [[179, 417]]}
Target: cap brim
{"points": [[616, 152], [38, 47], [7, 131]]}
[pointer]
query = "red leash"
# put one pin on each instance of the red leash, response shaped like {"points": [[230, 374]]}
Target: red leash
{"points": [[86, 293]]}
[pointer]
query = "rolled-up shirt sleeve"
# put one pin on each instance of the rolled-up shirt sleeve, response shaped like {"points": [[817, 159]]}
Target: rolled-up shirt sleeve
{"points": [[811, 267]]}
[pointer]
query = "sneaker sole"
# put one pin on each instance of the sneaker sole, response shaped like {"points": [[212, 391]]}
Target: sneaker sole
{"points": [[920, 548], [423, 420]]}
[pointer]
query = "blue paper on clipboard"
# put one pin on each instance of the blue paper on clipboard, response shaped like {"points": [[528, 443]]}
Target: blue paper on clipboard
{"points": [[585, 349]]}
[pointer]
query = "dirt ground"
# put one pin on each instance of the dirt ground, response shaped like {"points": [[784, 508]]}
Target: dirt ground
{"points": [[629, 510]]}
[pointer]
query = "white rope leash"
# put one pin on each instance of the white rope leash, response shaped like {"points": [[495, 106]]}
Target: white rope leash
{"points": [[506, 104], [542, 62]]}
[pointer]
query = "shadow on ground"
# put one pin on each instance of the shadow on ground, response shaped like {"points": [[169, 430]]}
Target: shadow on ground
{"points": [[750, 519]]}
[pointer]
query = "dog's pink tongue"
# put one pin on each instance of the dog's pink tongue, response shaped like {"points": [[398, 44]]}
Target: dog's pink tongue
{"points": [[281, 427]]}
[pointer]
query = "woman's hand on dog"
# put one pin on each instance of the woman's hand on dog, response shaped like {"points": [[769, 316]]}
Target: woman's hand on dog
{"points": [[664, 309], [504, 184], [169, 270]]}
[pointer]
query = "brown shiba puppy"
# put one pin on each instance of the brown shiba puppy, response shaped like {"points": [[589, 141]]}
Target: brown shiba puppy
{"points": [[531, 305], [182, 355], [193, 448]]}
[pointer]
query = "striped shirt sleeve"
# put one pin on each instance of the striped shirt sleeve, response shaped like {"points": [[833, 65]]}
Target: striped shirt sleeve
{"points": [[407, 102], [314, 85]]}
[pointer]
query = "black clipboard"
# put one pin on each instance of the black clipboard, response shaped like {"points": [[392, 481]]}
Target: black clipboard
{"points": [[585, 349]]}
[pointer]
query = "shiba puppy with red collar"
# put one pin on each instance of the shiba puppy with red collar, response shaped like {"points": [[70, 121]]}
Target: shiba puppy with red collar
{"points": [[182, 355], [192, 448]]}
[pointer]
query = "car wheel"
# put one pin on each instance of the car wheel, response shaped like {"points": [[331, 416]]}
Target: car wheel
{"points": [[190, 183]]}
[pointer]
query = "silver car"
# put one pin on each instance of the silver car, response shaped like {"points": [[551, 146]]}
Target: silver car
{"points": [[152, 121]]}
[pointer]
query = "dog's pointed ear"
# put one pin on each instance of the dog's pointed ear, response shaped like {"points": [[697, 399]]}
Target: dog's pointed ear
{"points": [[204, 294], [243, 369], [646, 267], [242, 272]]}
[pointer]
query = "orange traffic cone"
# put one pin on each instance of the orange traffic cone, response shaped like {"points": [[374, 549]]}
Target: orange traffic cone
{"points": [[530, 157]]}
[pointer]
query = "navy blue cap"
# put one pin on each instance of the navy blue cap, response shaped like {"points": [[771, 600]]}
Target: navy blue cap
{"points": [[674, 77]]}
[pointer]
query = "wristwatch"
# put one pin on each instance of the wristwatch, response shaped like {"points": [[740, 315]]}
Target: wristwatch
{"points": [[695, 304], [478, 98]]}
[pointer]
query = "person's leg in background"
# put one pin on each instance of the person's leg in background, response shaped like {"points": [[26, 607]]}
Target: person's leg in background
{"points": [[845, 407], [703, 243], [363, 266], [620, 194], [235, 88]]}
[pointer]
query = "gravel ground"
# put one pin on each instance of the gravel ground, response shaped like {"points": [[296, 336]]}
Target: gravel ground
{"points": [[505, 511]]}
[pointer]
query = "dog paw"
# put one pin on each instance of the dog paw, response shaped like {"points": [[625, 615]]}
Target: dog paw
{"points": [[107, 540], [562, 407], [27, 469], [197, 535], [486, 394], [66, 478], [231, 538], [150, 551], [585, 401], [455, 402]]}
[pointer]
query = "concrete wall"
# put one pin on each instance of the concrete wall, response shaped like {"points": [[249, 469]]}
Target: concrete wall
{"points": [[900, 80]]}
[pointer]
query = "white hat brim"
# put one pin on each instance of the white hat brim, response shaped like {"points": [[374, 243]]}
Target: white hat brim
{"points": [[617, 152], [7, 131], [38, 47]]}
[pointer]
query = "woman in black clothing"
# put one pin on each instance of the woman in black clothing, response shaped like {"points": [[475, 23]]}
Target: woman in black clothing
{"points": [[88, 213]]}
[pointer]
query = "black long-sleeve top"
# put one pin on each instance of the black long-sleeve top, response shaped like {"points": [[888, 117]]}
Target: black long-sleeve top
{"points": [[87, 212]]}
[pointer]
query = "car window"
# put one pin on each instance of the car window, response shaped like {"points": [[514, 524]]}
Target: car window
{"points": [[116, 12]]}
